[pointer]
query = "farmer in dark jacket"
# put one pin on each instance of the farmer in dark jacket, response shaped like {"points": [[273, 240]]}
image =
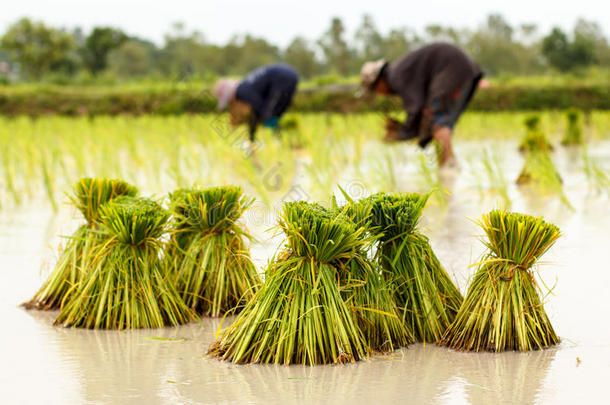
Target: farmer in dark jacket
{"points": [[435, 82], [262, 97]]}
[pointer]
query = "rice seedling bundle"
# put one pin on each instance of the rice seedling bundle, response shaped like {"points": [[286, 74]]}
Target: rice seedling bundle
{"points": [[539, 168], [208, 253], [534, 139], [503, 309], [299, 315], [89, 194], [127, 286], [291, 131], [365, 289], [425, 294], [573, 133]]}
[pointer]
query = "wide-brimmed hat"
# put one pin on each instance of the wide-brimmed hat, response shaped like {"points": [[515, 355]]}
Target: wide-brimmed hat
{"points": [[225, 92], [369, 74]]}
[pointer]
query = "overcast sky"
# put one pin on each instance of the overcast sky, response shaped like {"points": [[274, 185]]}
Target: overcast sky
{"points": [[280, 21]]}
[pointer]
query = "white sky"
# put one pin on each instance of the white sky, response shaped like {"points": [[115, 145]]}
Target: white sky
{"points": [[279, 21]]}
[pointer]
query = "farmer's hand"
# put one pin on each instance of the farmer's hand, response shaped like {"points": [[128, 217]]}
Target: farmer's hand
{"points": [[391, 130], [391, 124], [239, 112], [391, 136]]}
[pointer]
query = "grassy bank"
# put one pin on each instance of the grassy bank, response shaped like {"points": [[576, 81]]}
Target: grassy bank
{"points": [[193, 97]]}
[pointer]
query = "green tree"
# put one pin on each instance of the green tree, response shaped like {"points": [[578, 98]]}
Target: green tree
{"points": [[335, 48], [134, 58], [590, 34], [438, 33], [494, 48], [36, 47], [182, 55], [398, 42], [255, 52], [98, 45], [565, 55], [369, 41], [302, 57]]}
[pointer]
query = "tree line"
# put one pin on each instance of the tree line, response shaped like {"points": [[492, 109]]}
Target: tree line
{"points": [[34, 51]]}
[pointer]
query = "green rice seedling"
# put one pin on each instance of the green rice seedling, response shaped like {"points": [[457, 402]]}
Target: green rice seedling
{"points": [[299, 315], [540, 170], [290, 130], [597, 176], [432, 178], [126, 285], [365, 289], [497, 180], [503, 309], [208, 252], [48, 182], [573, 132], [534, 139], [10, 175], [425, 294], [88, 195]]}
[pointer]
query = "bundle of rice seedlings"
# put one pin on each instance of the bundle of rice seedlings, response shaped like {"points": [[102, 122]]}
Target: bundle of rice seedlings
{"points": [[540, 170], [534, 139], [503, 309], [299, 315], [427, 297], [126, 285], [208, 253], [88, 195], [573, 133], [290, 127], [366, 292], [365, 289]]}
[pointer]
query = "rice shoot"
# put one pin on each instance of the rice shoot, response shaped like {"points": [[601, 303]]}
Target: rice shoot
{"points": [[299, 315], [208, 252], [88, 195], [503, 309], [126, 285], [534, 139], [573, 132], [425, 294]]}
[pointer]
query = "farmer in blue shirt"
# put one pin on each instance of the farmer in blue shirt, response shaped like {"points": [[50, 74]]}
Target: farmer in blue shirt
{"points": [[262, 97]]}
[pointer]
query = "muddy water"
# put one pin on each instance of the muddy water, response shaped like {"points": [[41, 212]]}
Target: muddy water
{"points": [[45, 364]]}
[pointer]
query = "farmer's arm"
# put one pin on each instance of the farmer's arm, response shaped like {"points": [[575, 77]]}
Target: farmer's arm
{"points": [[249, 94], [410, 128], [252, 125]]}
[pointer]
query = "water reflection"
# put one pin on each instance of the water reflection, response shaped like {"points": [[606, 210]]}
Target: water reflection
{"points": [[418, 374], [505, 378]]}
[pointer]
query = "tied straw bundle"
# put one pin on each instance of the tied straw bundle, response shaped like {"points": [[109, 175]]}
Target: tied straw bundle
{"points": [[425, 294], [89, 194], [573, 132], [299, 315], [534, 139], [365, 289], [502, 309], [126, 286], [208, 253]]}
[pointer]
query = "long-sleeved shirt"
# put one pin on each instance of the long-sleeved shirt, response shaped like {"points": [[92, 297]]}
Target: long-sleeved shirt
{"points": [[268, 90], [429, 73]]}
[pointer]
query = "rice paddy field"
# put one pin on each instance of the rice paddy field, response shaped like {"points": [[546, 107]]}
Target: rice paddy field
{"points": [[320, 156]]}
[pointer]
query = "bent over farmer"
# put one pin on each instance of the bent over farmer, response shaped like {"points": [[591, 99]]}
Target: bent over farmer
{"points": [[435, 82], [262, 97]]}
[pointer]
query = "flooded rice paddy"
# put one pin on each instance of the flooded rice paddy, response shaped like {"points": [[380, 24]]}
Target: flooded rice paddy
{"points": [[51, 365]]}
